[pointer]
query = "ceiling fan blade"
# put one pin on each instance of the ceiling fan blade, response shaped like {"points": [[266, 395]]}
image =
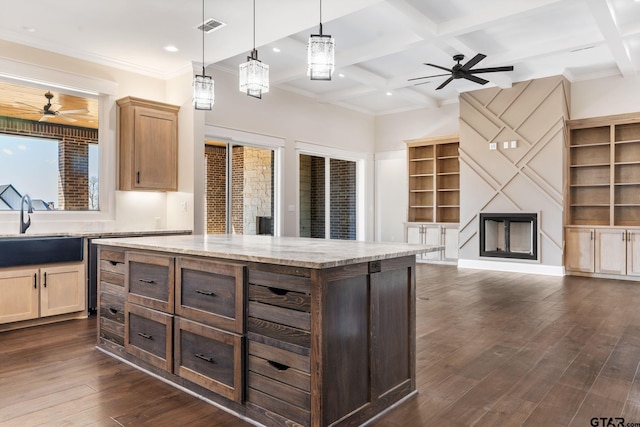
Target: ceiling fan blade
{"points": [[475, 79], [438, 66], [22, 104], [473, 61], [69, 119], [55, 107], [491, 70], [428, 77], [446, 82], [45, 118], [78, 111]]}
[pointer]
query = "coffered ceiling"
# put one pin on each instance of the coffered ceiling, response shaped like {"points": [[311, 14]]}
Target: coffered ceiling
{"points": [[380, 44]]}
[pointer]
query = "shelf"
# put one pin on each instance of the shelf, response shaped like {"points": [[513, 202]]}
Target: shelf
{"points": [[592, 165], [589, 185], [422, 159], [589, 205], [448, 189], [625, 163], [420, 191], [418, 175], [630, 141], [420, 207], [448, 173], [627, 183], [448, 206], [447, 157], [589, 145], [627, 204]]}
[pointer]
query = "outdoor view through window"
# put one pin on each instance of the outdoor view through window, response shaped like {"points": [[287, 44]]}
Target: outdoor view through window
{"points": [[48, 149]]}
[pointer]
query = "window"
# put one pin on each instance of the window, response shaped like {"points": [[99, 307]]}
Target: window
{"points": [[48, 148]]}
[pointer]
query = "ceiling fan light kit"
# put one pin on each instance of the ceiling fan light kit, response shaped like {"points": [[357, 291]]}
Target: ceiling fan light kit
{"points": [[320, 54], [463, 71]]}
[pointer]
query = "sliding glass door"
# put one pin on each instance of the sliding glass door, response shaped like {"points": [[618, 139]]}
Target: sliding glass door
{"points": [[328, 197], [239, 189]]}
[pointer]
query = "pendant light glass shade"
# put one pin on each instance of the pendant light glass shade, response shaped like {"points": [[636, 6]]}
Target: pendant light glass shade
{"points": [[254, 76], [203, 87], [203, 92], [320, 56]]}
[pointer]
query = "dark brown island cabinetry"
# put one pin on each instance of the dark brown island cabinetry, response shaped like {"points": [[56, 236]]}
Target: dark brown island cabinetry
{"points": [[280, 344]]}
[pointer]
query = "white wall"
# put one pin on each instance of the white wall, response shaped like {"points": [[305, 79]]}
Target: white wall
{"points": [[293, 118], [604, 97]]}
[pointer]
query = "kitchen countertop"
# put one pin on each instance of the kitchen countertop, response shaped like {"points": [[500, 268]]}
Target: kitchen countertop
{"points": [[91, 234], [293, 251]]}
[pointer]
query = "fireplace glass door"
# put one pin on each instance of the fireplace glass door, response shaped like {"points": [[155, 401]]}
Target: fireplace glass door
{"points": [[509, 235]]}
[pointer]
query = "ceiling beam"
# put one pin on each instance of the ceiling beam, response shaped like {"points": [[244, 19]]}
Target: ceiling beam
{"points": [[606, 23]]}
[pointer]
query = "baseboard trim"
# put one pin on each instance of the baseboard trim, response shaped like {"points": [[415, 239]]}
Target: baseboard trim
{"points": [[513, 267]]}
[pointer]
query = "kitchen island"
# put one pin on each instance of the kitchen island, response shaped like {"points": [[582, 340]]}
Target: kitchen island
{"points": [[279, 331]]}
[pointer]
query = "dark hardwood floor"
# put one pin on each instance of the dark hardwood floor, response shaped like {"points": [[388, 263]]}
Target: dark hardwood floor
{"points": [[493, 349]]}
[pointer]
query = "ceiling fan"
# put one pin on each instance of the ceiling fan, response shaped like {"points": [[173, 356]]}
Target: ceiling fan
{"points": [[50, 110], [459, 71]]}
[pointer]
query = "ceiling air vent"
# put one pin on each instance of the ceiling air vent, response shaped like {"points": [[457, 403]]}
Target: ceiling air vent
{"points": [[210, 25]]}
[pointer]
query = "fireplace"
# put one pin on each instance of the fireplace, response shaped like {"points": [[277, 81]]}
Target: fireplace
{"points": [[509, 235]]}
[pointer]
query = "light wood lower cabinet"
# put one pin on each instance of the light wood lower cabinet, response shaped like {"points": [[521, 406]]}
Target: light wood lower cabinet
{"points": [[30, 293], [607, 251], [434, 234]]}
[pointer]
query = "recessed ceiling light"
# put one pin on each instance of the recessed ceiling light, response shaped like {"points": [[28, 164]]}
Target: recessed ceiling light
{"points": [[340, 75], [29, 29], [171, 48], [389, 93], [276, 50]]}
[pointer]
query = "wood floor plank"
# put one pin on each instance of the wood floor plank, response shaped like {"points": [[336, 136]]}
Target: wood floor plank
{"points": [[492, 349]]}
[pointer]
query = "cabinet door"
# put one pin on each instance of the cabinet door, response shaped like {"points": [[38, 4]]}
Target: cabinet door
{"points": [[414, 235], [18, 295], [579, 247], [450, 241], [63, 290], [633, 252], [155, 149], [610, 251], [432, 235]]}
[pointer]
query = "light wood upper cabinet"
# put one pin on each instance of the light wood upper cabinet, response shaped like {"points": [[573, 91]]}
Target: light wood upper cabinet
{"points": [[148, 145]]}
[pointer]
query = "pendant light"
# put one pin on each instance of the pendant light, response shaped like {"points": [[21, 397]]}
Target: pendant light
{"points": [[320, 54], [203, 87], [254, 75]]}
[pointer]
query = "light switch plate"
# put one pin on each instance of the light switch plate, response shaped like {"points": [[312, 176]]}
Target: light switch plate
{"points": [[505, 145], [514, 144], [493, 146]]}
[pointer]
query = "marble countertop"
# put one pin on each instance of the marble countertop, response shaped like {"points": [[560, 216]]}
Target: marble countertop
{"points": [[92, 234], [293, 251]]}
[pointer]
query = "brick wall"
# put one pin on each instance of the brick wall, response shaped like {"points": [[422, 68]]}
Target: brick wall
{"points": [[317, 197], [73, 157], [216, 167], [343, 199]]}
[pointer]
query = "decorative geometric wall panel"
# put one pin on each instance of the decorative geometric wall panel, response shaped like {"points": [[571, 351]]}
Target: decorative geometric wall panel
{"points": [[528, 178]]}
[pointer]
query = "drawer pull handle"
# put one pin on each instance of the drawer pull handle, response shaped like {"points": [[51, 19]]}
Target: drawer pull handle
{"points": [[278, 291], [114, 262], [205, 358], [145, 336], [208, 293], [278, 366], [113, 310], [147, 281]]}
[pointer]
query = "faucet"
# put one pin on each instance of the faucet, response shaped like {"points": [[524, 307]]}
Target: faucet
{"points": [[25, 225]]}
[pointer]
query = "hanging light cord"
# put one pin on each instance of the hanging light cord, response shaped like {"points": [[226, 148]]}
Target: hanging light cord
{"points": [[203, 37], [254, 24], [320, 17]]}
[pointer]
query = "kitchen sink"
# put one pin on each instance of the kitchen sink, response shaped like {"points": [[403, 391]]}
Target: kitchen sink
{"points": [[30, 250]]}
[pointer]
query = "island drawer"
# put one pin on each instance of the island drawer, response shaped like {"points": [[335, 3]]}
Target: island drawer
{"points": [[279, 381], [209, 357], [149, 280], [277, 289], [148, 335], [111, 267], [210, 292]]}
